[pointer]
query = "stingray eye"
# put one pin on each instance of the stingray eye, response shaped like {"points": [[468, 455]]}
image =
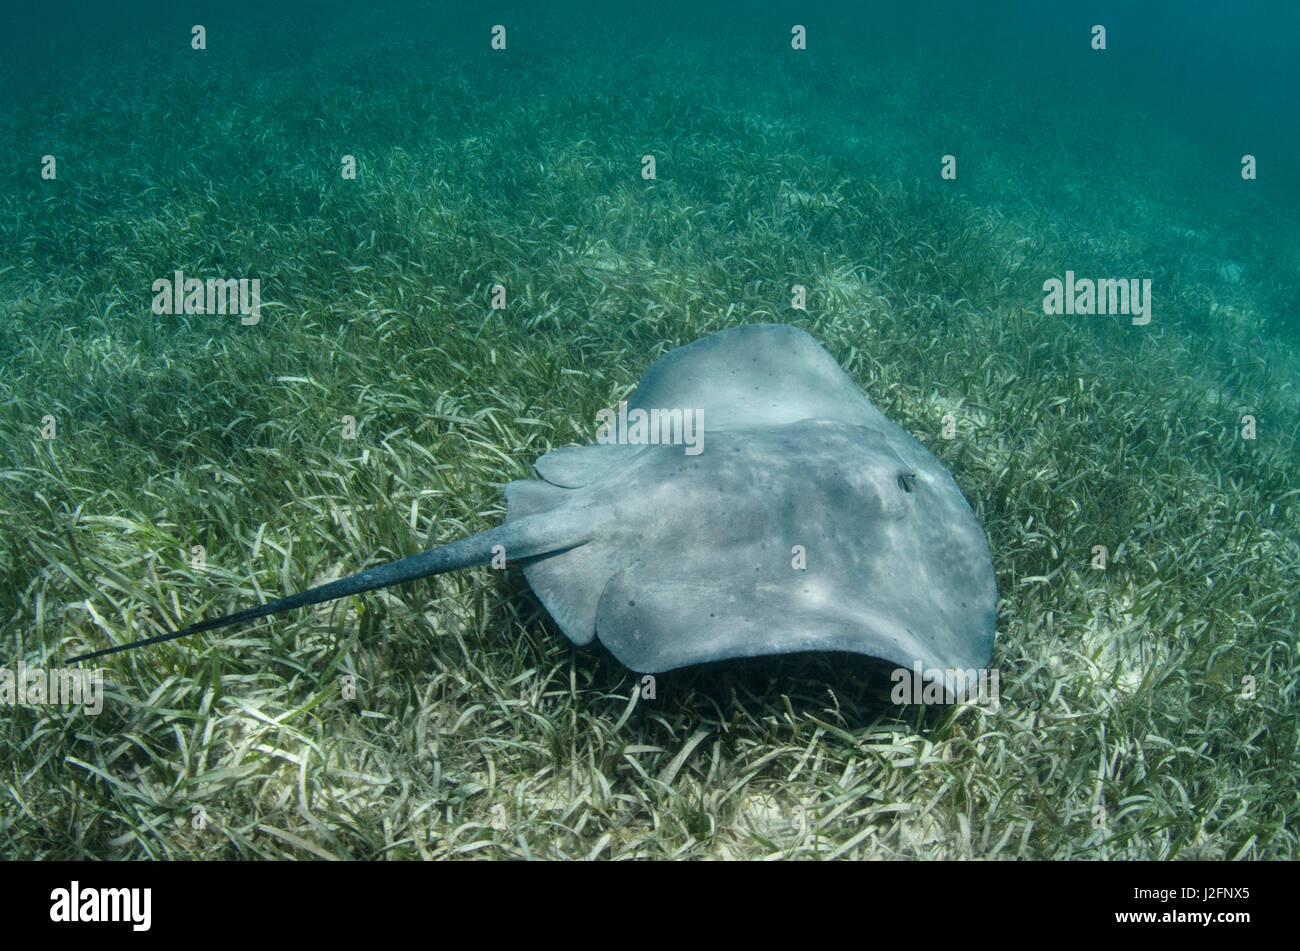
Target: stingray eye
{"points": [[906, 480]]}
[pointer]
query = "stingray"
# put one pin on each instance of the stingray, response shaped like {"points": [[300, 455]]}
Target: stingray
{"points": [[800, 520]]}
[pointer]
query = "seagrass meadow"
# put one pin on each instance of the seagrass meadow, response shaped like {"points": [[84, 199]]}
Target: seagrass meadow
{"points": [[1147, 709]]}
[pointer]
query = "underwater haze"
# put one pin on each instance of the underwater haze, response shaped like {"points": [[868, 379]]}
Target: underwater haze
{"points": [[291, 290]]}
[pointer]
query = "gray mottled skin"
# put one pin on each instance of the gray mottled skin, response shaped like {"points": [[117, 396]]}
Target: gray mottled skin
{"points": [[689, 558], [673, 559]]}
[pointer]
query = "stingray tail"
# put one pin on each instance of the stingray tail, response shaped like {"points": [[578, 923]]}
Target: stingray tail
{"points": [[523, 538]]}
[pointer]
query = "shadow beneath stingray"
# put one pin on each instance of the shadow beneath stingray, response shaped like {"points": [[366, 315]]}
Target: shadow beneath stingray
{"points": [[842, 689]]}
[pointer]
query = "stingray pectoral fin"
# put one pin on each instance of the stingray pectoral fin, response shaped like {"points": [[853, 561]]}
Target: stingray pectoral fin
{"points": [[654, 621], [657, 623], [567, 581], [532, 497], [575, 466], [756, 375], [522, 538]]}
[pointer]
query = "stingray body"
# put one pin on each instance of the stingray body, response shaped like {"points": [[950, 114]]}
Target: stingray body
{"points": [[803, 520]]}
